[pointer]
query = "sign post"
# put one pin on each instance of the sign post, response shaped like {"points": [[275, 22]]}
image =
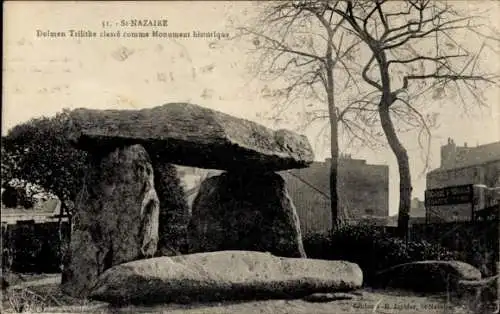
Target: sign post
{"points": [[452, 195], [472, 205]]}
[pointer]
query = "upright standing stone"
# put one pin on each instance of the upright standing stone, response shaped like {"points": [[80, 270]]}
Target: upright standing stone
{"points": [[245, 211], [116, 219], [174, 210]]}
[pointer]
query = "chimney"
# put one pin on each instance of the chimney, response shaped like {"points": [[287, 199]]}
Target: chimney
{"points": [[448, 154]]}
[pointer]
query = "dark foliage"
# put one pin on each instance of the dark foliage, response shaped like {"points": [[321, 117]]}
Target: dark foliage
{"points": [[477, 242], [10, 197], [38, 151], [371, 248], [13, 197]]}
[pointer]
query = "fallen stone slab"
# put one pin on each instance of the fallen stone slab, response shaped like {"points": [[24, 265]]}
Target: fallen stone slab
{"points": [[478, 288], [427, 276], [245, 211], [224, 275], [329, 297], [192, 135]]}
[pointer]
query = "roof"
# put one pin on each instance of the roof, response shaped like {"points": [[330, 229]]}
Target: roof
{"points": [[480, 154], [13, 215], [46, 210], [465, 157], [444, 169]]}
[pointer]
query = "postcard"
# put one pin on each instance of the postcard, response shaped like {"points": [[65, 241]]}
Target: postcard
{"points": [[302, 156]]}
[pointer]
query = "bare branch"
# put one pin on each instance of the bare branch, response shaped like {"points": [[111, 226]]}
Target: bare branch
{"points": [[418, 34], [365, 74], [382, 18], [279, 46], [450, 77], [433, 59], [409, 25], [368, 16]]}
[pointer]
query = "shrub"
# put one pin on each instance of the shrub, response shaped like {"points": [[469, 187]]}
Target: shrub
{"points": [[371, 248], [10, 197]]}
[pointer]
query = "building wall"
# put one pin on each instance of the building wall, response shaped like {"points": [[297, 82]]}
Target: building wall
{"points": [[453, 156], [364, 188], [363, 191], [464, 165], [313, 207], [487, 174]]}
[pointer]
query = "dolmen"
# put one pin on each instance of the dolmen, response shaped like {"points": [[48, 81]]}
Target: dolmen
{"points": [[246, 208]]}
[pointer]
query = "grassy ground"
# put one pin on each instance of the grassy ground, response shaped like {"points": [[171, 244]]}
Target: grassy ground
{"points": [[42, 293]]}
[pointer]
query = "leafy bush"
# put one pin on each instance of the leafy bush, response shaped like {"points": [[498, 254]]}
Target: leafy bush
{"points": [[371, 248], [10, 197], [39, 152]]}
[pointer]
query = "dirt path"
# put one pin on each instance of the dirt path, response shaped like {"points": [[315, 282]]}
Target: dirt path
{"points": [[46, 288], [370, 301]]}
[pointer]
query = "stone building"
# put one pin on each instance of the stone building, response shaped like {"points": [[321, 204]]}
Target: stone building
{"points": [[364, 192], [461, 165]]}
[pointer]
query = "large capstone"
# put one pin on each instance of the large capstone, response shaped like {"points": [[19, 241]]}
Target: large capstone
{"points": [[191, 135], [245, 211], [116, 219], [218, 276]]}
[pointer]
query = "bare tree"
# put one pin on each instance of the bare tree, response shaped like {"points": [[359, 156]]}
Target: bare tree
{"points": [[406, 52], [413, 51], [301, 45]]}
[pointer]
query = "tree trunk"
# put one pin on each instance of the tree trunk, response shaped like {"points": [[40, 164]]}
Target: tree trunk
{"points": [[64, 241], [60, 233], [336, 219], [398, 149], [401, 154], [334, 145]]}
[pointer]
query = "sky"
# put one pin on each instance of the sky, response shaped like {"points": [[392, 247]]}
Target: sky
{"points": [[42, 75]]}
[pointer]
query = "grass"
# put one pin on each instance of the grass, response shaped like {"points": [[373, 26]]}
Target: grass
{"points": [[49, 298]]}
